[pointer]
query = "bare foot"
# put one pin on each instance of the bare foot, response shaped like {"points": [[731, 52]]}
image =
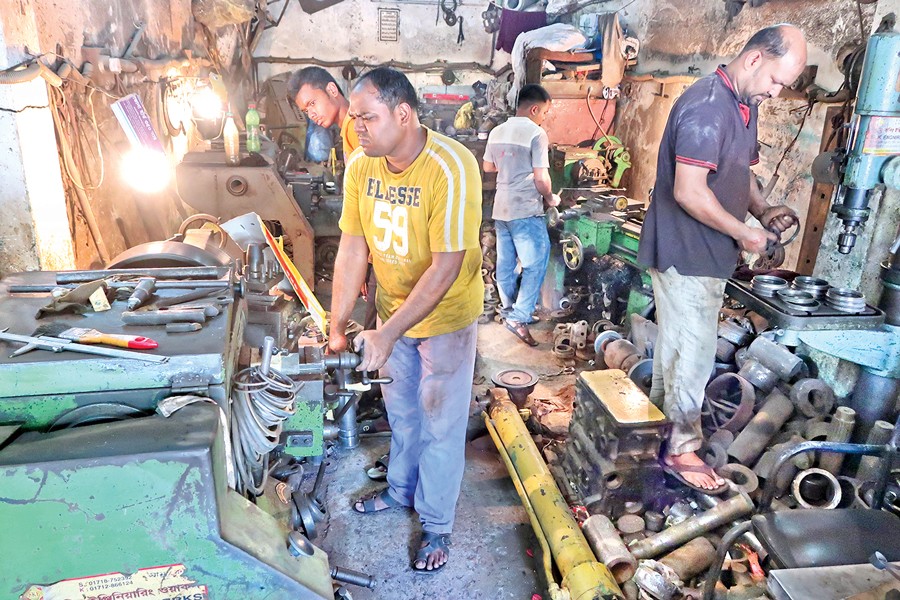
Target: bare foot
{"points": [[708, 480]]}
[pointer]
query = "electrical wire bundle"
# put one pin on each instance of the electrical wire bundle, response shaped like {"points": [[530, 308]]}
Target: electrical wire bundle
{"points": [[262, 398]]}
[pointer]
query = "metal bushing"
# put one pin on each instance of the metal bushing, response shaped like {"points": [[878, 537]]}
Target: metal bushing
{"points": [[767, 285], [725, 350], [812, 285], [798, 299], [816, 488], [655, 521], [850, 492], [817, 429], [759, 376], [742, 477], [729, 401], [564, 351], [734, 333], [621, 354], [605, 337], [741, 357], [716, 455], [812, 397], [775, 357], [845, 300]]}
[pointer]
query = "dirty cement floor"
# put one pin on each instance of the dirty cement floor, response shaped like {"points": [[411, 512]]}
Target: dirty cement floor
{"points": [[492, 535]]}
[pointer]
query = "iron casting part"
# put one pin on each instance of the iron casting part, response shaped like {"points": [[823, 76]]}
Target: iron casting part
{"points": [[733, 333], [690, 560], [621, 354], [869, 465], [806, 481], [730, 400], [725, 350], [655, 521], [761, 377], [628, 524], [519, 383], [609, 548], [728, 540], [812, 397], [743, 478], [840, 430], [850, 492], [751, 442], [768, 492], [775, 357], [668, 539]]}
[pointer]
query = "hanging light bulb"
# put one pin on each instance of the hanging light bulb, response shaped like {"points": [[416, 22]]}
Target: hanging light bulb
{"points": [[145, 170]]}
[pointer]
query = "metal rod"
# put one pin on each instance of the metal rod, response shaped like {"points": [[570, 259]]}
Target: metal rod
{"points": [[693, 527], [162, 273], [160, 285], [352, 577], [769, 489]]}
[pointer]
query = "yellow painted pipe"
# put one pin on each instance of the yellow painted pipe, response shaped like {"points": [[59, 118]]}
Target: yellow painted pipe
{"points": [[583, 577], [546, 556]]}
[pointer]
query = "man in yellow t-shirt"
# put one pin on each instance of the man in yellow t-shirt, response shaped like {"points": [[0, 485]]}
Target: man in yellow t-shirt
{"points": [[317, 94], [412, 197]]}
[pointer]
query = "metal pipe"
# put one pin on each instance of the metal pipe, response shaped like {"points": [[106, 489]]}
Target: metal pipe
{"points": [[816, 480], [583, 576], [874, 398], [159, 273], [750, 443], [690, 560], [438, 65], [546, 555], [668, 539], [776, 357], [609, 548], [768, 493], [840, 431], [712, 578]]}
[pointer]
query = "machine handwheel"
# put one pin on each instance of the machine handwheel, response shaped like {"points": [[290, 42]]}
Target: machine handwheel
{"points": [[573, 252]]}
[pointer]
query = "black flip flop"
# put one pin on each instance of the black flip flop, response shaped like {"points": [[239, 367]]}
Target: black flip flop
{"points": [[433, 543], [368, 502], [676, 472], [526, 337]]}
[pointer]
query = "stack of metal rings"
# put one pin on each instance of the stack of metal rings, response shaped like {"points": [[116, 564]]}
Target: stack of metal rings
{"points": [[845, 300], [798, 300], [767, 285], [812, 285]]}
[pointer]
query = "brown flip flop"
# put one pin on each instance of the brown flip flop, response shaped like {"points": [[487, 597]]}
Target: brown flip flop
{"points": [[520, 330], [676, 472]]}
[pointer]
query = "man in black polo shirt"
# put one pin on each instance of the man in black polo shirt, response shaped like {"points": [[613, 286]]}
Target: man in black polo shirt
{"points": [[695, 230]]}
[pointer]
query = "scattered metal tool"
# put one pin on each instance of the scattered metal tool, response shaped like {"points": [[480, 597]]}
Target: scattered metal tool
{"points": [[164, 316], [142, 292], [59, 345]]}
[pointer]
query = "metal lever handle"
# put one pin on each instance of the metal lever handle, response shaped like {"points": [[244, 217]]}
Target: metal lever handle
{"points": [[366, 380]]}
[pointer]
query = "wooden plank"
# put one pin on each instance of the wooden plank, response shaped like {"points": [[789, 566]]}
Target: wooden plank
{"points": [[819, 201]]}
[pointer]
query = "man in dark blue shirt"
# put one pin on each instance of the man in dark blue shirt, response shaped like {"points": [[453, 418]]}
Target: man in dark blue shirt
{"points": [[694, 229]]}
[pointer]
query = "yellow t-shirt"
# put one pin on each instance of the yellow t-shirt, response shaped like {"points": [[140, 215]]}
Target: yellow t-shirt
{"points": [[349, 139], [432, 206]]}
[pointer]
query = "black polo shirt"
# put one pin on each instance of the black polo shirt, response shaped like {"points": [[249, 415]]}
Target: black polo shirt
{"points": [[708, 127]]}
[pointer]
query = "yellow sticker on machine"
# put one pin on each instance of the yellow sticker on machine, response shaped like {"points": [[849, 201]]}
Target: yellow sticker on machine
{"points": [[624, 400]]}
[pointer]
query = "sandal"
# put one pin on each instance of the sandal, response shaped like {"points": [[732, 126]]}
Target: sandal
{"points": [[433, 542], [520, 330], [378, 472], [368, 502], [676, 472]]}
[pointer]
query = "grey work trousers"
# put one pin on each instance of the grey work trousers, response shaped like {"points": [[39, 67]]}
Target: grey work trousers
{"points": [[687, 316], [428, 409]]}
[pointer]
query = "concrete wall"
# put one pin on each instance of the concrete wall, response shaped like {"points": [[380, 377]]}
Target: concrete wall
{"points": [[349, 30], [662, 28], [125, 217]]}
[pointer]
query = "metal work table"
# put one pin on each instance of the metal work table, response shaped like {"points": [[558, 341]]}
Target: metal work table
{"points": [[61, 382], [828, 583], [782, 317]]}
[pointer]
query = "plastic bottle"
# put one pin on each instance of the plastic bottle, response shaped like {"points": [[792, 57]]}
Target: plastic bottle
{"points": [[252, 124], [232, 141]]}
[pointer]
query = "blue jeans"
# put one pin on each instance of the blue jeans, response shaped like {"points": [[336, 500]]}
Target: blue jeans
{"points": [[528, 241]]}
